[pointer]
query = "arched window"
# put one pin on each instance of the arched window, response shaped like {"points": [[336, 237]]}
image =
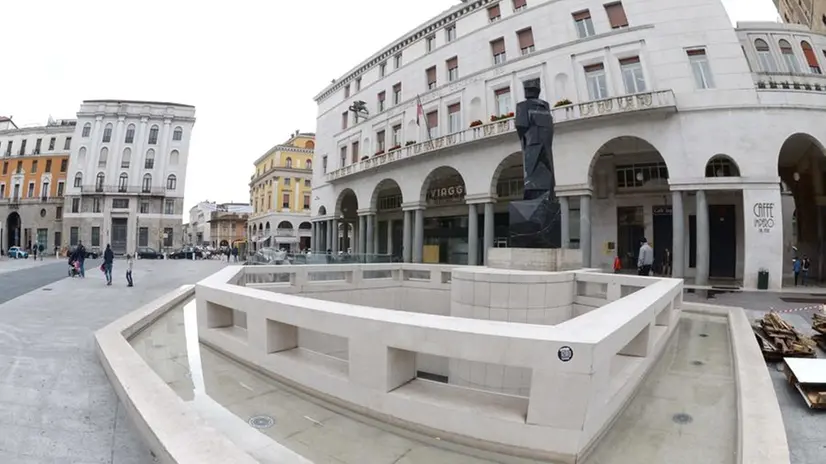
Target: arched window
{"points": [[171, 182], [788, 56], [722, 166], [178, 134], [764, 54], [126, 159], [78, 180], [174, 158], [309, 164], [81, 154], [99, 182], [289, 162], [123, 180], [153, 135], [811, 57], [130, 134], [149, 162], [309, 145], [87, 130], [107, 133], [104, 156], [147, 183]]}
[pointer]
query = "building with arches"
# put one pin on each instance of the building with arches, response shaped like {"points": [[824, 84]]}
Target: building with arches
{"points": [[679, 131], [280, 197], [128, 175]]}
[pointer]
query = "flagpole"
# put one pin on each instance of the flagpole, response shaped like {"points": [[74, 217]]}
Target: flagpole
{"points": [[420, 112]]}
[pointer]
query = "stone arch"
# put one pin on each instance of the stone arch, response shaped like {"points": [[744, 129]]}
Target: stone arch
{"points": [[322, 211], [622, 150], [14, 229], [722, 166], [385, 186], [267, 228], [347, 204], [512, 169], [442, 183], [285, 225], [306, 225], [309, 145]]}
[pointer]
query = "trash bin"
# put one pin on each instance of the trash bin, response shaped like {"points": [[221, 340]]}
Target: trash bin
{"points": [[763, 279]]}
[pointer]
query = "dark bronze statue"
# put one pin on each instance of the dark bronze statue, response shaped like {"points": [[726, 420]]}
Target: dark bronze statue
{"points": [[534, 221]]}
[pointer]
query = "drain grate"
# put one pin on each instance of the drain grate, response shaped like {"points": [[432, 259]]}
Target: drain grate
{"points": [[261, 422], [47, 289], [703, 335], [697, 363], [682, 418]]}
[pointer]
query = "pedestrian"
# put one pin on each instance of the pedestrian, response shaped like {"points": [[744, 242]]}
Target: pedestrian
{"points": [[805, 269], [645, 259], [617, 264], [80, 257], [667, 263], [41, 248], [235, 253], [108, 261], [129, 261], [34, 252], [229, 254], [797, 266], [56, 254]]}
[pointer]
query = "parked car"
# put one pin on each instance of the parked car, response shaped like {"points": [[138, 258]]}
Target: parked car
{"points": [[17, 253], [91, 253], [186, 253], [149, 253]]}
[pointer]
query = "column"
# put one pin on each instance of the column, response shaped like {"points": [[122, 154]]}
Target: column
{"points": [[345, 240], [406, 245], [390, 237], [375, 234], [362, 246], [564, 223], [488, 240], [418, 236], [328, 243], [335, 236], [702, 239], [312, 235], [472, 236], [585, 229], [369, 220], [678, 241]]}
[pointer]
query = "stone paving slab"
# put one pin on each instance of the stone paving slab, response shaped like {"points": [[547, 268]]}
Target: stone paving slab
{"points": [[56, 404], [11, 265]]}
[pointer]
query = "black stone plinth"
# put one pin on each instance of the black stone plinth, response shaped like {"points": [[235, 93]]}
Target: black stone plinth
{"points": [[535, 223]]}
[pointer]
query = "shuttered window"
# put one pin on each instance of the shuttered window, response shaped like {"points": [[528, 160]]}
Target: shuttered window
{"points": [[616, 15], [498, 49], [811, 58], [494, 13], [525, 37], [519, 4], [452, 69], [431, 77]]}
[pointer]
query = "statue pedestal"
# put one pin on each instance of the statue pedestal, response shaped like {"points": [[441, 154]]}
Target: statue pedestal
{"points": [[535, 223], [535, 259]]}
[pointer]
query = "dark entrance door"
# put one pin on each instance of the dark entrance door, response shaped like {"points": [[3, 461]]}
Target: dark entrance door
{"points": [[13, 230], [663, 235], [723, 238], [119, 235], [630, 230]]}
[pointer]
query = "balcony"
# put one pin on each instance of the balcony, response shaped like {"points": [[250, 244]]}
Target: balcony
{"points": [[660, 100], [117, 189]]}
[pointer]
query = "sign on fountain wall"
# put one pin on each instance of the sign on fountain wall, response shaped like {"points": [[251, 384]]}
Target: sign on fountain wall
{"points": [[764, 220]]}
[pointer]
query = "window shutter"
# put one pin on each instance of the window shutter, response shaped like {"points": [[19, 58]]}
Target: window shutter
{"points": [[453, 108], [431, 74], [582, 15], [696, 52], [594, 67], [433, 119], [519, 3], [381, 96], [493, 12], [502, 91], [631, 60], [498, 46], [525, 38], [811, 59], [616, 15]]}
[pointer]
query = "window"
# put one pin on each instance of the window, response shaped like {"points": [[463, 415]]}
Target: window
{"points": [[306, 202], [308, 165], [67, 144], [308, 183], [123, 181], [397, 61], [104, 156], [494, 14], [450, 33], [324, 164], [616, 15], [74, 232], [497, 47], [700, 68], [344, 120], [23, 147], [288, 163], [343, 156], [595, 79], [144, 207], [169, 206], [811, 58], [48, 165], [64, 164], [380, 142], [107, 133], [397, 93], [632, 75], [95, 236], [285, 201], [31, 190], [433, 123], [430, 43], [5, 167], [525, 37], [171, 182], [147, 184], [143, 236], [638, 175], [99, 182], [52, 143], [153, 135], [126, 159], [2, 190], [347, 91], [354, 155], [764, 55], [149, 162], [78, 180], [58, 215], [788, 56], [60, 189], [34, 167], [381, 101], [87, 129], [453, 69], [130, 134], [167, 237], [583, 23], [37, 145], [8, 147], [75, 205], [502, 97], [396, 136], [454, 118], [286, 182], [430, 75], [519, 5], [178, 134], [97, 205], [382, 69]]}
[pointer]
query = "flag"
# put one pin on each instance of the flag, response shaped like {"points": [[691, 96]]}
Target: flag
{"points": [[420, 115]]}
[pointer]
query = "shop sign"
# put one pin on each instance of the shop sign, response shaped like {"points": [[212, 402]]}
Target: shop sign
{"points": [[763, 217], [454, 192], [662, 210]]}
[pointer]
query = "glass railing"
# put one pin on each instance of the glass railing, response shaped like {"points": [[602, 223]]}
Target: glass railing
{"points": [[266, 257]]}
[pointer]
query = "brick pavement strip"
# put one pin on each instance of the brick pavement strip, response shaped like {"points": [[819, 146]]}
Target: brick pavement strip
{"points": [[56, 404]]}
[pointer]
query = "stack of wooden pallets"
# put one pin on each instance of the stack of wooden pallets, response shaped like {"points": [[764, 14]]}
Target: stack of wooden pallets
{"points": [[819, 326], [778, 339]]}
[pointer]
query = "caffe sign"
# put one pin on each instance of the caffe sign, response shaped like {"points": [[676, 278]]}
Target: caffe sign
{"points": [[763, 217]]}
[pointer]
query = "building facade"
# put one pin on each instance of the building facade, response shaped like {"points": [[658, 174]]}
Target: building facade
{"points": [[228, 227], [663, 130], [809, 13], [128, 174], [280, 195], [201, 215], [32, 183]]}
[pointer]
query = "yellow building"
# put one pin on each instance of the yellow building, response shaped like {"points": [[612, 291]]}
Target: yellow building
{"points": [[280, 195]]}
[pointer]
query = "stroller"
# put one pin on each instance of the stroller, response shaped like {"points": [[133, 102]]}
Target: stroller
{"points": [[74, 268]]}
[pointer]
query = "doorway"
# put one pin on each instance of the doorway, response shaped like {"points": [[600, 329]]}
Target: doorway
{"points": [[119, 228], [630, 230], [13, 230], [723, 238], [663, 235]]}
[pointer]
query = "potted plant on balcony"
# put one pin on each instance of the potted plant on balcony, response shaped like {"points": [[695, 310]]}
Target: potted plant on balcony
{"points": [[818, 87], [365, 158], [476, 123], [772, 84], [410, 142], [510, 115], [785, 85], [761, 85], [379, 153], [563, 102], [807, 86], [394, 147], [796, 85]]}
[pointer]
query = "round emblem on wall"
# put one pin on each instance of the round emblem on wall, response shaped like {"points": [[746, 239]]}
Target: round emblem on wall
{"points": [[565, 354], [43, 212]]}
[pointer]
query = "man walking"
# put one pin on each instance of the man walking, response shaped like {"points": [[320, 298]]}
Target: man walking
{"points": [[108, 261], [80, 257], [646, 258]]}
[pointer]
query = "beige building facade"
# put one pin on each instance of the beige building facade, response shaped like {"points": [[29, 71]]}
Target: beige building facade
{"points": [[810, 13]]}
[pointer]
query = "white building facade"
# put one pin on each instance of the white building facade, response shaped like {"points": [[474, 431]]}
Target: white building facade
{"points": [[199, 232], [127, 174], [670, 124]]}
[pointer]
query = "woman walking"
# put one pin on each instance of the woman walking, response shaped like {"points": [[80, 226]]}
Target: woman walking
{"points": [[108, 261]]}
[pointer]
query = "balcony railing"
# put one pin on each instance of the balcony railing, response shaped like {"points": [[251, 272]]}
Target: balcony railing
{"points": [[17, 200], [807, 82], [285, 232], [129, 189], [662, 100]]}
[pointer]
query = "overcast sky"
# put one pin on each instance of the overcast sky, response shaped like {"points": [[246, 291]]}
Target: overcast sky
{"points": [[251, 67]]}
